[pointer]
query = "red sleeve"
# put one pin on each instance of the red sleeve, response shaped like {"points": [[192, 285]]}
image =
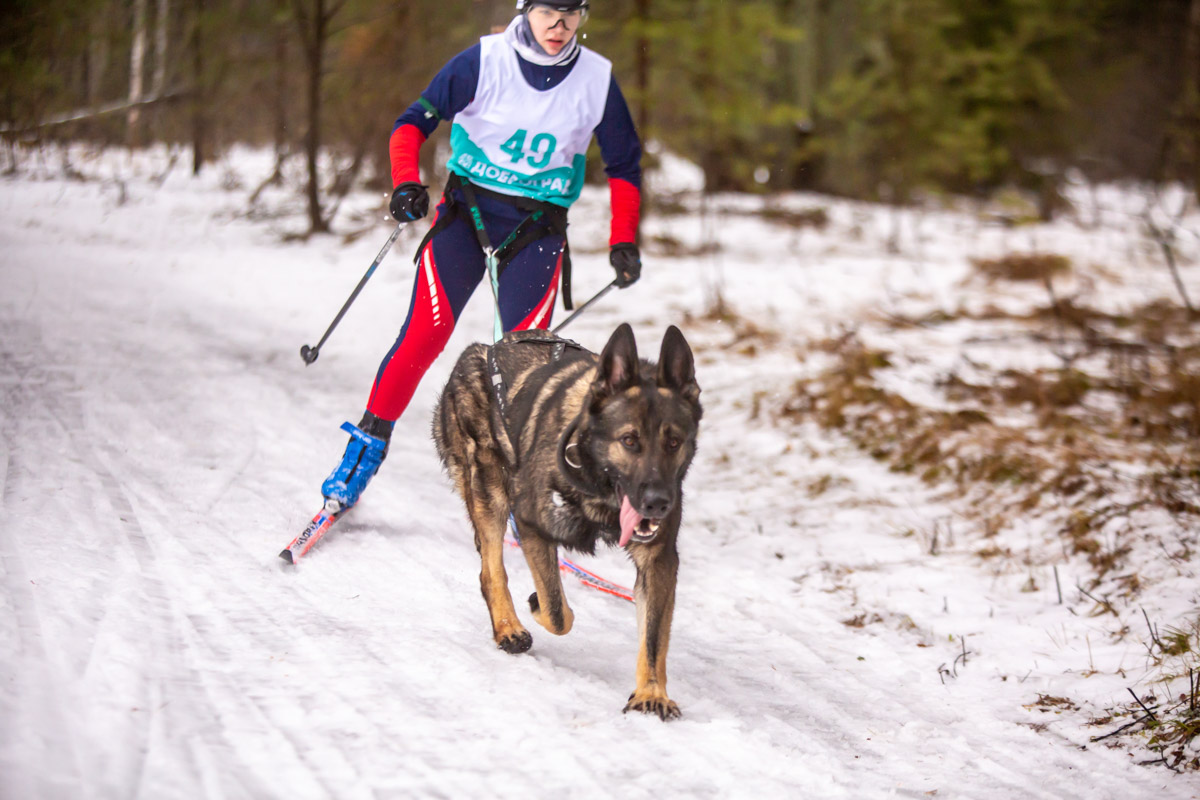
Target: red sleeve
{"points": [[403, 150], [626, 200]]}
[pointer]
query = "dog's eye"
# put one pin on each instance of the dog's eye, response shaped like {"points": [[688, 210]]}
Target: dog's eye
{"points": [[672, 443], [630, 440]]}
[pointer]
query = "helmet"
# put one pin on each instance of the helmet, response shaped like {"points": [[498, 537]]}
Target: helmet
{"points": [[557, 5]]}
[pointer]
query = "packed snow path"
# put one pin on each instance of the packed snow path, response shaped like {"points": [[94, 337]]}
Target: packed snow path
{"points": [[161, 441]]}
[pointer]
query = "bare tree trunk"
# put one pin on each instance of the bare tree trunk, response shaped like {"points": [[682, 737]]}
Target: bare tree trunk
{"points": [[137, 58], [1192, 88], [199, 95], [313, 21], [278, 112], [642, 67], [97, 60], [312, 139], [280, 102], [159, 83], [642, 59]]}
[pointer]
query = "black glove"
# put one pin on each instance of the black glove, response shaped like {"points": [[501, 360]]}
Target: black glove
{"points": [[410, 201], [627, 261]]}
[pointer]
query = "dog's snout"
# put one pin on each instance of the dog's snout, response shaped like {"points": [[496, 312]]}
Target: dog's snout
{"points": [[657, 500]]}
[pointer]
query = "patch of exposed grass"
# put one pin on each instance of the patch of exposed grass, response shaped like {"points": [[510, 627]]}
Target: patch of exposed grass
{"points": [[823, 484], [671, 247], [862, 620], [1059, 459], [815, 217], [1169, 727], [1038, 267], [748, 336], [1046, 702]]}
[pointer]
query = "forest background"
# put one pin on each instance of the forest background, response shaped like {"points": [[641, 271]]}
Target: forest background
{"points": [[892, 100]]}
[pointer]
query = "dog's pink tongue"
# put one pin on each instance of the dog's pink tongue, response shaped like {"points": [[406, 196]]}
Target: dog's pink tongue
{"points": [[630, 519]]}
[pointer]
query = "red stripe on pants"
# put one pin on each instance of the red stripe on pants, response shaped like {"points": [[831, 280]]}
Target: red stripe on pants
{"points": [[428, 331], [540, 316]]}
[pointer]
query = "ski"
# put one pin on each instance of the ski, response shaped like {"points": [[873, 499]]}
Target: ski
{"points": [[312, 534]]}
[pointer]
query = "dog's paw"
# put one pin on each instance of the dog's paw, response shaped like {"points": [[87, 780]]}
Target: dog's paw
{"points": [[649, 702], [515, 643]]}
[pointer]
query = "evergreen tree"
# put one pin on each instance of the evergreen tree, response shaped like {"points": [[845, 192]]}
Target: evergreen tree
{"points": [[945, 94]]}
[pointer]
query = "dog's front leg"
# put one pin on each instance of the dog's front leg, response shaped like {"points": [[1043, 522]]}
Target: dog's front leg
{"points": [[654, 592], [488, 508], [549, 603]]}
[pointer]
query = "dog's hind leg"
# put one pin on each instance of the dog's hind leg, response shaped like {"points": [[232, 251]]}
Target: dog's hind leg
{"points": [[487, 505], [548, 603]]}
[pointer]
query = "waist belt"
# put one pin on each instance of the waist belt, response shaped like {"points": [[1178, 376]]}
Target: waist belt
{"points": [[543, 220]]}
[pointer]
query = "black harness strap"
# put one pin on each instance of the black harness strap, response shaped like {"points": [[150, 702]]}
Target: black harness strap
{"points": [[497, 383], [543, 219], [559, 347]]}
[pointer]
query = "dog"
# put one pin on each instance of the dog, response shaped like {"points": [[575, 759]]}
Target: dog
{"points": [[579, 448]]}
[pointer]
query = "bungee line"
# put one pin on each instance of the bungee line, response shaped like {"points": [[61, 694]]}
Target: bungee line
{"points": [[589, 579]]}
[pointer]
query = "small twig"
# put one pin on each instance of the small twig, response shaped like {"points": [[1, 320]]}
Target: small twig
{"points": [[1164, 241], [963, 656], [1153, 633], [1143, 705], [1057, 585], [1124, 727], [1104, 603]]}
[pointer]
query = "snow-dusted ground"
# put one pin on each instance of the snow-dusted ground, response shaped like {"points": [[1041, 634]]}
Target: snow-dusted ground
{"points": [[161, 441]]}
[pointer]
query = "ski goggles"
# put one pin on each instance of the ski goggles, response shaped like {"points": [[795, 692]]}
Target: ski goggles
{"points": [[552, 17]]}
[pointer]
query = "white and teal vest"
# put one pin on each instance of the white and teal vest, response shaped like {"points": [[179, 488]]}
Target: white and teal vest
{"points": [[514, 139]]}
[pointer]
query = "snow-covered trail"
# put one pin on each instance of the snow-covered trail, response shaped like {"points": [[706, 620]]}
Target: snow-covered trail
{"points": [[161, 441]]}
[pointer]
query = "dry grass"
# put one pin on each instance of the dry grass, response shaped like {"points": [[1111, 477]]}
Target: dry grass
{"points": [[1096, 444], [1145, 364], [1168, 726], [1058, 458], [815, 217], [1023, 267], [748, 336]]}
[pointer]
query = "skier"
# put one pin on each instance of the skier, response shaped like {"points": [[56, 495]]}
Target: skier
{"points": [[524, 106]]}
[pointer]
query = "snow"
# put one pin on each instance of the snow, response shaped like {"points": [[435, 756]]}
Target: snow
{"points": [[162, 441]]}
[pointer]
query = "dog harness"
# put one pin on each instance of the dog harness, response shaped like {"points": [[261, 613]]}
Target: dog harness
{"points": [[559, 346]]}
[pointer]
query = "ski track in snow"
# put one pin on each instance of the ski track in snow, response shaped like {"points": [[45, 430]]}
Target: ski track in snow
{"points": [[162, 441]]}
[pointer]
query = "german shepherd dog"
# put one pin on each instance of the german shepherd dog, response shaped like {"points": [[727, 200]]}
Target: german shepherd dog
{"points": [[579, 448]]}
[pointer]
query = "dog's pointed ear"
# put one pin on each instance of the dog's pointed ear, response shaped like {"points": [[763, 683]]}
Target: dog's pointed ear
{"points": [[676, 367], [618, 363]]}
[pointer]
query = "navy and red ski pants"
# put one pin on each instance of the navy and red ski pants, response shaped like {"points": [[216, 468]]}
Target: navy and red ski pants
{"points": [[449, 268]]}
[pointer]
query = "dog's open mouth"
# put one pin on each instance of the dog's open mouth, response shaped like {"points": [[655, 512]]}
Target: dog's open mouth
{"points": [[635, 527]]}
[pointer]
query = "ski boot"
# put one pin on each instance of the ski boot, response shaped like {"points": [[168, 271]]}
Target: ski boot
{"points": [[366, 450]]}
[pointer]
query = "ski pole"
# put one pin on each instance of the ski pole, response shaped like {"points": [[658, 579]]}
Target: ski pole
{"points": [[583, 307], [309, 354]]}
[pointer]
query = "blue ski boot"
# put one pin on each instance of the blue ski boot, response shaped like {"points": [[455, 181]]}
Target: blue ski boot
{"points": [[366, 450]]}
